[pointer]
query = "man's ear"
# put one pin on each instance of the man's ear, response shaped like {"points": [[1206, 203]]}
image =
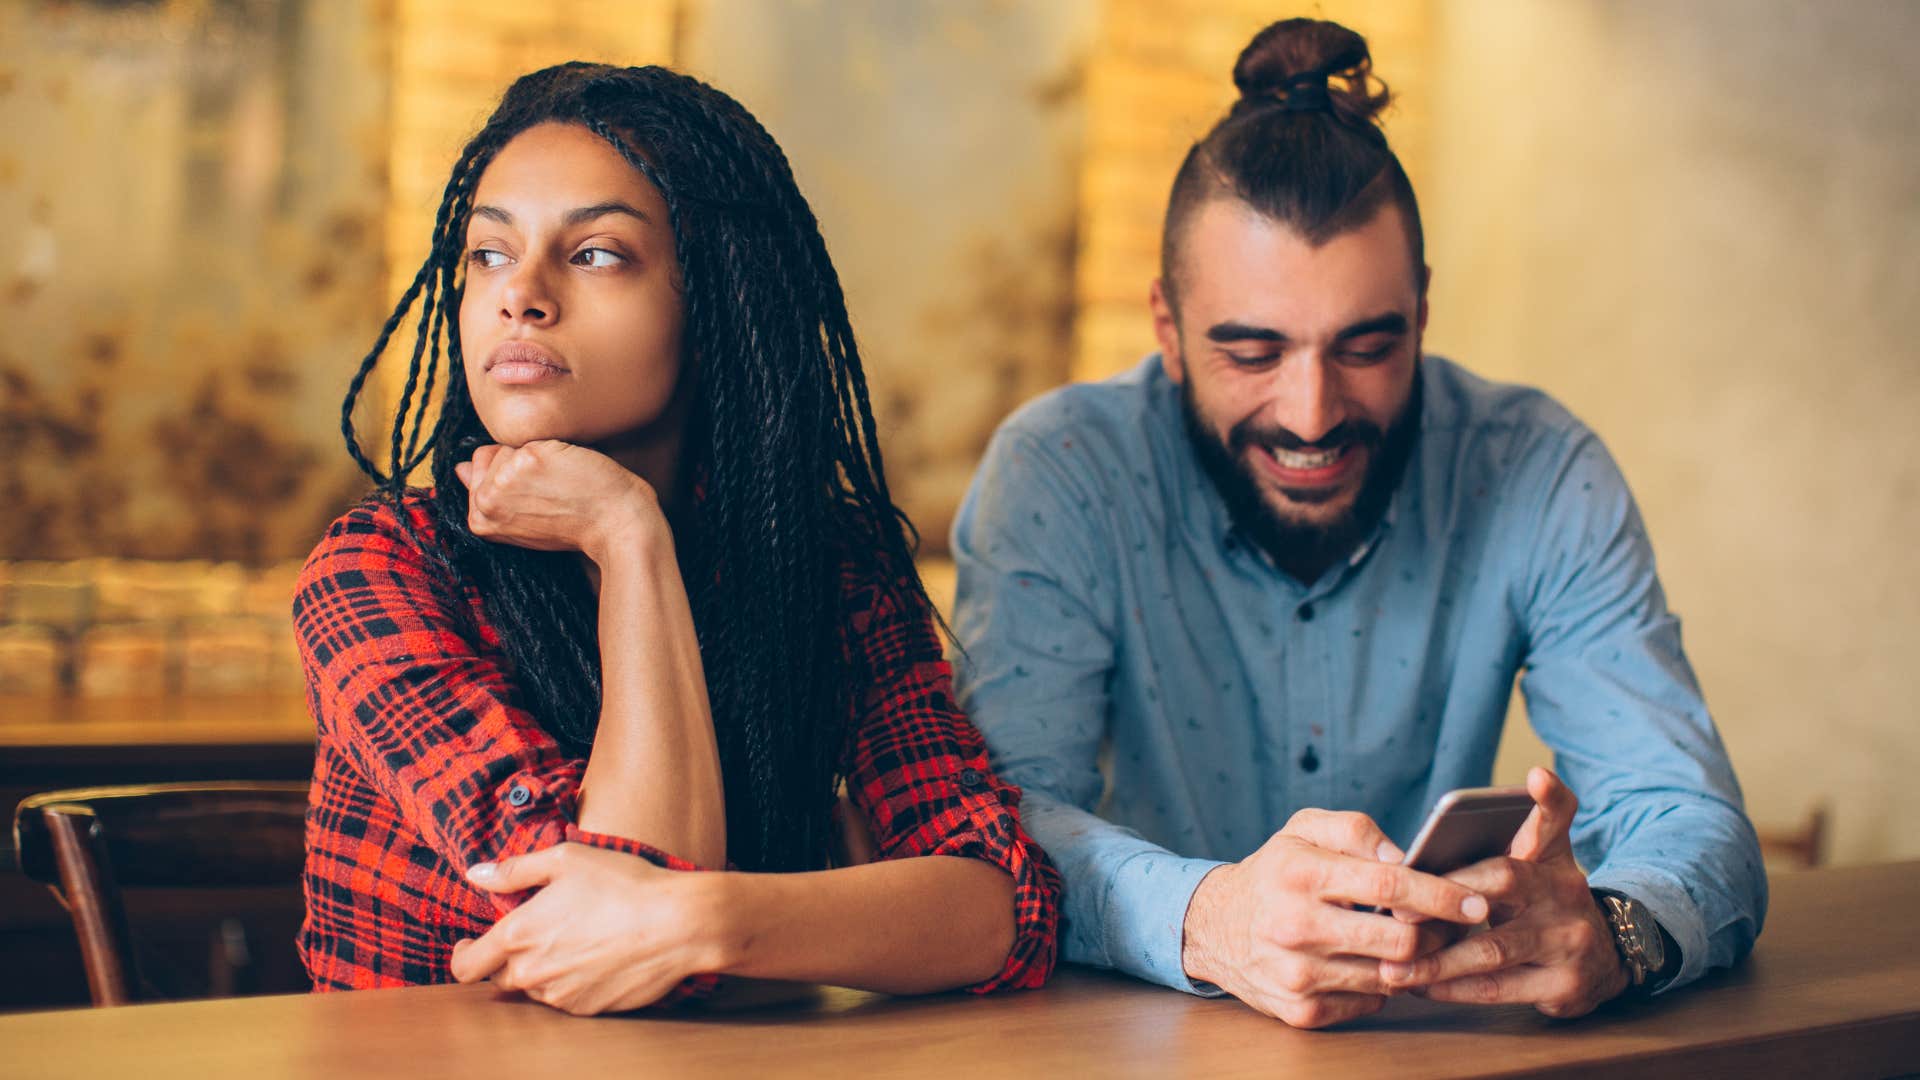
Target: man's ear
{"points": [[1426, 280], [1166, 328]]}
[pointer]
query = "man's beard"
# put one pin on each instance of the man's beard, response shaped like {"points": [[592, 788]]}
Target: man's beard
{"points": [[1299, 547]]}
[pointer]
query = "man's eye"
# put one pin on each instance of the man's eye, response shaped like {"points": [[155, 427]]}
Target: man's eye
{"points": [[1252, 360], [1367, 356], [598, 258], [486, 258]]}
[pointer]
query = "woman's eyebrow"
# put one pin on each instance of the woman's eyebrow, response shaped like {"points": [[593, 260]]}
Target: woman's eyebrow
{"points": [[598, 210], [576, 216]]}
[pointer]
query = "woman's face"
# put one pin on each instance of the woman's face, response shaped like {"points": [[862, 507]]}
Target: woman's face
{"points": [[570, 323]]}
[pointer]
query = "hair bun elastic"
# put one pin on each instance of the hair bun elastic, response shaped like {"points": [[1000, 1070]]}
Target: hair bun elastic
{"points": [[1305, 93]]}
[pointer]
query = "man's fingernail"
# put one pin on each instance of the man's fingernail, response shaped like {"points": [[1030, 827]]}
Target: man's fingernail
{"points": [[483, 871], [1388, 853], [1474, 907], [1396, 972]]}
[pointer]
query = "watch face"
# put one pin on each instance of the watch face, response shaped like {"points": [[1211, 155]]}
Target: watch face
{"points": [[1646, 935], [1638, 934]]}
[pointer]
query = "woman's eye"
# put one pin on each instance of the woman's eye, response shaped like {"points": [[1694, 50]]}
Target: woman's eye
{"points": [[598, 258], [486, 258]]}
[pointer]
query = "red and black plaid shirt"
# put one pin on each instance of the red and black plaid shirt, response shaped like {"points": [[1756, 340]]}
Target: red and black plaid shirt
{"points": [[426, 764]]}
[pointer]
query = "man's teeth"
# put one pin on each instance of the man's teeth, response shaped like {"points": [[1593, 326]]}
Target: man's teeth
{"points": [[1293, 459]]}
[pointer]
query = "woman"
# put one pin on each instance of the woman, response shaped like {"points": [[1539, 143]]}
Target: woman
{"points": [[655, 437]]}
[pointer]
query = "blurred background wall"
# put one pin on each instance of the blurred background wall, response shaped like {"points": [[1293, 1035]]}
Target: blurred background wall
{"points": [[1698, 225], [1693, 223]]}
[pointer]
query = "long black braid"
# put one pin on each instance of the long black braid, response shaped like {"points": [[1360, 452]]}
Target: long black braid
{"points": [[780, 447]]}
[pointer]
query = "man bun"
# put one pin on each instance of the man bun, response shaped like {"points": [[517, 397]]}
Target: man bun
{"points": [[1310, 53]]}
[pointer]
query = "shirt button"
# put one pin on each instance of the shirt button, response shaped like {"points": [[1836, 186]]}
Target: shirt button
{"points": [[1309, 761], [518, 795], [970, 778], [1305, 612]]}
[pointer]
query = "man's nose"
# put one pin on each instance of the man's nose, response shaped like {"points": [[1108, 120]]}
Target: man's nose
{"points": [[1305, 397]]}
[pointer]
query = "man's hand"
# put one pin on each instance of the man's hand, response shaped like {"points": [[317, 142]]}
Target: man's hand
{"points": [[1550, 945], [1278, 931], [606, 932], [554, 496]]}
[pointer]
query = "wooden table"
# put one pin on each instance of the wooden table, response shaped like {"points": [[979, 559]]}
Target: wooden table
{"points": [[1832, 990]]}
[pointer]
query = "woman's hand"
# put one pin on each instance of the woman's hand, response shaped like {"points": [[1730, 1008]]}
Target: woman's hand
{"points": [[606, 932], [555, 496]]}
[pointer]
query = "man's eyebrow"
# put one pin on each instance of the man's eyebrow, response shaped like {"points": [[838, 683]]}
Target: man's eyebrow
{"points": [[576, 216], [1233, 331], [1391, 323]]}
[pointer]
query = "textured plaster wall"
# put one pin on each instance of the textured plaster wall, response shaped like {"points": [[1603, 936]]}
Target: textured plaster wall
{"points": [[1697, 224], [938, 145], [190, 203]]}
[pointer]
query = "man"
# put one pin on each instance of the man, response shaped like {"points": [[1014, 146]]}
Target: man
{"points": [[1284, 574]]}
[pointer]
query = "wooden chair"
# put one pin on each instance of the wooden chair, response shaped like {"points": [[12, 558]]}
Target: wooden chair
{"points": [[89, 843], [1801, 848]]}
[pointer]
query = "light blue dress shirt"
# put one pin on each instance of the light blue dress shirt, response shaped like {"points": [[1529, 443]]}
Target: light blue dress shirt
{"points": [[1168, 698]]}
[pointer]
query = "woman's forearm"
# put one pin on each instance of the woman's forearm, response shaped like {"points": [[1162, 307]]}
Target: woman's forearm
{"points": [[907, 926], [654, 773]]}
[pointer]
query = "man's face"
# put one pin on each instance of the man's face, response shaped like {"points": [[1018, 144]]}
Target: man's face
{"points": [[1296, 365]]}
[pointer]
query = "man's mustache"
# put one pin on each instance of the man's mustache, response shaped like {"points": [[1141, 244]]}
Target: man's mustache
{"points": [[1347, 432]]}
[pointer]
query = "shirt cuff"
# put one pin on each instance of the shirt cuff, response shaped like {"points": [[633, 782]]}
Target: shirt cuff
{"points": [[576, 834], [989, 830], [1667, 900], [534, 811], [1145, 917]]}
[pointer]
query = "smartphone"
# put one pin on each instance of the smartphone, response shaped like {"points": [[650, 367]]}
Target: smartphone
{"points": [[1465, 826]]}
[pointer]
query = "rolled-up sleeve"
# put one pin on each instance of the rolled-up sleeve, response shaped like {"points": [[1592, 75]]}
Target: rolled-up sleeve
{"points": [[920, 775], [421, 710]]}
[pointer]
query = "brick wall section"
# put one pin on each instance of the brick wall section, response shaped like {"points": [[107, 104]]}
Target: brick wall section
{"points": [[1160, 77], [452, 61], [122, 628]]}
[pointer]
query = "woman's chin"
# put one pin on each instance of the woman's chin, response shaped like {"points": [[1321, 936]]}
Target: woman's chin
{"points": [[520, 433]]}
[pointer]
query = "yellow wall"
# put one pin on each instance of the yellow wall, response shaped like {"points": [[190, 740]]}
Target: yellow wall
{"points": [[1696, 225]]}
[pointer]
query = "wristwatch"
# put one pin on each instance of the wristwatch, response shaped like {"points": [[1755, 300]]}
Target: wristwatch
{"points": [[1642, 944]]}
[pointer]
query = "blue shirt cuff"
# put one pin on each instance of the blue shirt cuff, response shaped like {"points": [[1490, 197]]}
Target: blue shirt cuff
{"points": [[1676, 914], [1146, 917]]}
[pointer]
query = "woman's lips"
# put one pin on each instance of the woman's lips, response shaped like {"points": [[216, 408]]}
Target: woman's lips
{"points": [[522, 363]]}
